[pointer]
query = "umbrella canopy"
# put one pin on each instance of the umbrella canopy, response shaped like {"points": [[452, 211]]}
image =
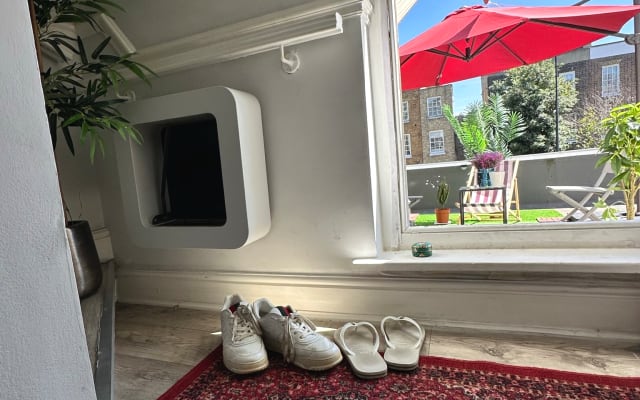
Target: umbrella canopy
{"points": [[477, 40]]}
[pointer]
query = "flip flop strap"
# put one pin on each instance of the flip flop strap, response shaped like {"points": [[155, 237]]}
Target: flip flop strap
{"points": [[355, 325], [400, 318]]}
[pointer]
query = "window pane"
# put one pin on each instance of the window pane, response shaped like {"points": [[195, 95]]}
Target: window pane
{"points": [[434, 107], [610, 80], [436, 143], [405, 111], [407, 146]]}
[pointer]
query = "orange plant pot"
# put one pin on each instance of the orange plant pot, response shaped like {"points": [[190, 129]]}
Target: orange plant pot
{"points": [[442, 215]]}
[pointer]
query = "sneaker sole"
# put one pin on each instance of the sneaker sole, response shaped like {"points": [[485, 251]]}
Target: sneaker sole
{"points": [[320, 365], [247, 368], [313, 365]]}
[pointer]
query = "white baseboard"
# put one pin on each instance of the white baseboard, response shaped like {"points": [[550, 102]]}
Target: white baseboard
{"points": [[580, 310]]}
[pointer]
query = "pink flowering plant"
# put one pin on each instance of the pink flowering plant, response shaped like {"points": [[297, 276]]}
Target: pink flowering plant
{"points": [[487, 160]]}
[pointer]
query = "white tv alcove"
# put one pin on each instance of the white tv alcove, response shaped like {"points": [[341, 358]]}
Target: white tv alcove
{"points": [[205, 149]]}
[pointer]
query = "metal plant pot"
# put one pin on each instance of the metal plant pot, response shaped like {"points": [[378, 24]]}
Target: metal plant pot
{"points": [[86, 263]]}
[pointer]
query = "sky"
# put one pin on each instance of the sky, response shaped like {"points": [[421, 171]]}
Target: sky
{"points": [[426, 13]]}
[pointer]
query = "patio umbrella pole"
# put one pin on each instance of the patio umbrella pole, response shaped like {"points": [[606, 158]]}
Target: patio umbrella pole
{"points": [[555, 70], [636, 31]]}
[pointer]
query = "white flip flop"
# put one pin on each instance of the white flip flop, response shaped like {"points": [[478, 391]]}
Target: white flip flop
{"points": [[403, 337], [360, 347]]}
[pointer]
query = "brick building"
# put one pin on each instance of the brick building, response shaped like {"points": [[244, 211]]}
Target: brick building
{"points": [[604, 75], [428, 136]]}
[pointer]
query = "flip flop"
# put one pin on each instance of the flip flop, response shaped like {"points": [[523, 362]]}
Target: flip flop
{"points": [[403, 337], [360, 347]]}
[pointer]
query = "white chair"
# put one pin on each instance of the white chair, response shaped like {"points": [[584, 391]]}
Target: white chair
{"points": [[587, 192]]}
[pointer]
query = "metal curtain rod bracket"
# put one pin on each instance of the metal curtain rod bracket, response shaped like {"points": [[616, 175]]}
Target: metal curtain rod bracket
{"points": [[291, 61]]}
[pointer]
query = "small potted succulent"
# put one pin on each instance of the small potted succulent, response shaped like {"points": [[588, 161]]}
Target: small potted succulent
{"points": [[442, 194], [485, 163]]}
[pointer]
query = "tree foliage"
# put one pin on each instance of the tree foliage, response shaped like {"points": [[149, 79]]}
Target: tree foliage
{"points": [[486, 126], [530, 90]]}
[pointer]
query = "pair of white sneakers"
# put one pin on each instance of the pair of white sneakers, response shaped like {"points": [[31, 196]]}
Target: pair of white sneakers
{"points": [[247, 329]]}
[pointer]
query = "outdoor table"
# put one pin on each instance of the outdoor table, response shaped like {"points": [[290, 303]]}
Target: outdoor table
{"points": [[465, 189]]}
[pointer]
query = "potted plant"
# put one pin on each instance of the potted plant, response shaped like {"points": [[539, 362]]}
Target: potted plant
{"points": [[442, 194], [485, 163], [81, 91], [621, 147]]}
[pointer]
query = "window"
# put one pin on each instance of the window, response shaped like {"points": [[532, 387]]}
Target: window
{"points": [[405, 111], [394, 186], [434, 107], [610, 80], [569, 76], [436, 143], [407, 146]]}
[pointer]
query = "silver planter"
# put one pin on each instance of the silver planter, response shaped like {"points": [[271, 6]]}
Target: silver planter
{"points": [[86, 263]]}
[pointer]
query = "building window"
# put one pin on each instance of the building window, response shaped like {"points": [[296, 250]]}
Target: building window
{"points": [[434, 107], [407, 146], [569, 76], [405, 111], [611, 80], [436, 143]]}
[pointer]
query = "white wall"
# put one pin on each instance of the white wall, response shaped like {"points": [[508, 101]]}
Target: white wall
{"points": [[43, 351], [317, 136]]}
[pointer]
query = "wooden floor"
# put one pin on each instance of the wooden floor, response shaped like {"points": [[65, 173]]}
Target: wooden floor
{"points": [[155, 346]]}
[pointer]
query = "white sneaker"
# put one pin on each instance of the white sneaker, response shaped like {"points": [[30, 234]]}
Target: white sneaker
{"points": [[243, 351], [289, 333]]}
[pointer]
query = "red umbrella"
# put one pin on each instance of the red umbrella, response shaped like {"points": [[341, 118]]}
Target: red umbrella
{"points": [[478, 40]]}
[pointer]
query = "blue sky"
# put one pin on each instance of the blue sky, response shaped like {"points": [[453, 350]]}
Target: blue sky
{"points": [[427, 13]]}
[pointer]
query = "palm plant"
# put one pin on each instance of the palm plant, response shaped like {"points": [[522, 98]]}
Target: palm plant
{"points": [[489, 126], [81, 93]]}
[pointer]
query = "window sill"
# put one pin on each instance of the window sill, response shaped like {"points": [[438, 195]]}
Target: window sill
{"points": [[486, 261]]}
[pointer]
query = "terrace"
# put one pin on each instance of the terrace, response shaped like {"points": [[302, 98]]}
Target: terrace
{"points": [[536, 171]]}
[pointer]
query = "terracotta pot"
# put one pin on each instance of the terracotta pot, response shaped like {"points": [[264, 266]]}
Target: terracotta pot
{"points": [[442, 215]]}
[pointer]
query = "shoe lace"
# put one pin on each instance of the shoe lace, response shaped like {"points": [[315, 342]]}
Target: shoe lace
{"points": [[298, 326], [245, 324]]}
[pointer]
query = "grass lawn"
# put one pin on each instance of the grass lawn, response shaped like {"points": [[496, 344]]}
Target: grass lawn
{"points": [[528, 217]]}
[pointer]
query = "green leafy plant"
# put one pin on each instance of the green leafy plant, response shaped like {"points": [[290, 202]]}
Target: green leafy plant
{"points": [[81, 94], [609, 212], [621, 147], [486, 126]]}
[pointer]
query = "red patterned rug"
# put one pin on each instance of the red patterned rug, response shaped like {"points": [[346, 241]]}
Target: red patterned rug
{"points": [[436, 378]]}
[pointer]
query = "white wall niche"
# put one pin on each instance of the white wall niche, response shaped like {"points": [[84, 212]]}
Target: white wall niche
{"points": [[244, 208]]}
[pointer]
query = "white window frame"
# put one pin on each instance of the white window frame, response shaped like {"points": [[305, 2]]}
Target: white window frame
{"points": [[612, 87], [438, 107], [407, 146], [405, 111], [393, 231], [569, 76], [436, 150]]}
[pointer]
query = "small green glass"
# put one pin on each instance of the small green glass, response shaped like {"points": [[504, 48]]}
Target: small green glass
{"points": [[421, 249]]}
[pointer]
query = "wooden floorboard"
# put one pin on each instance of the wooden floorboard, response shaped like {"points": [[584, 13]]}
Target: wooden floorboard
{"points": [[156, 346]]}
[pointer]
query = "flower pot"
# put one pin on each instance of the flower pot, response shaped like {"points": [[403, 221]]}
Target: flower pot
{"points": [[442, 215], [86, 262], [483, 177]]}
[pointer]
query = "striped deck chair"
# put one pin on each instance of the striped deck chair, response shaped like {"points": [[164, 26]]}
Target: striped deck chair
{"points": [[488, 203]]}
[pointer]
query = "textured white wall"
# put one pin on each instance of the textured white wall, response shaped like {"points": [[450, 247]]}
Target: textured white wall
{"points": [[43, 353], [316, 144]]}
